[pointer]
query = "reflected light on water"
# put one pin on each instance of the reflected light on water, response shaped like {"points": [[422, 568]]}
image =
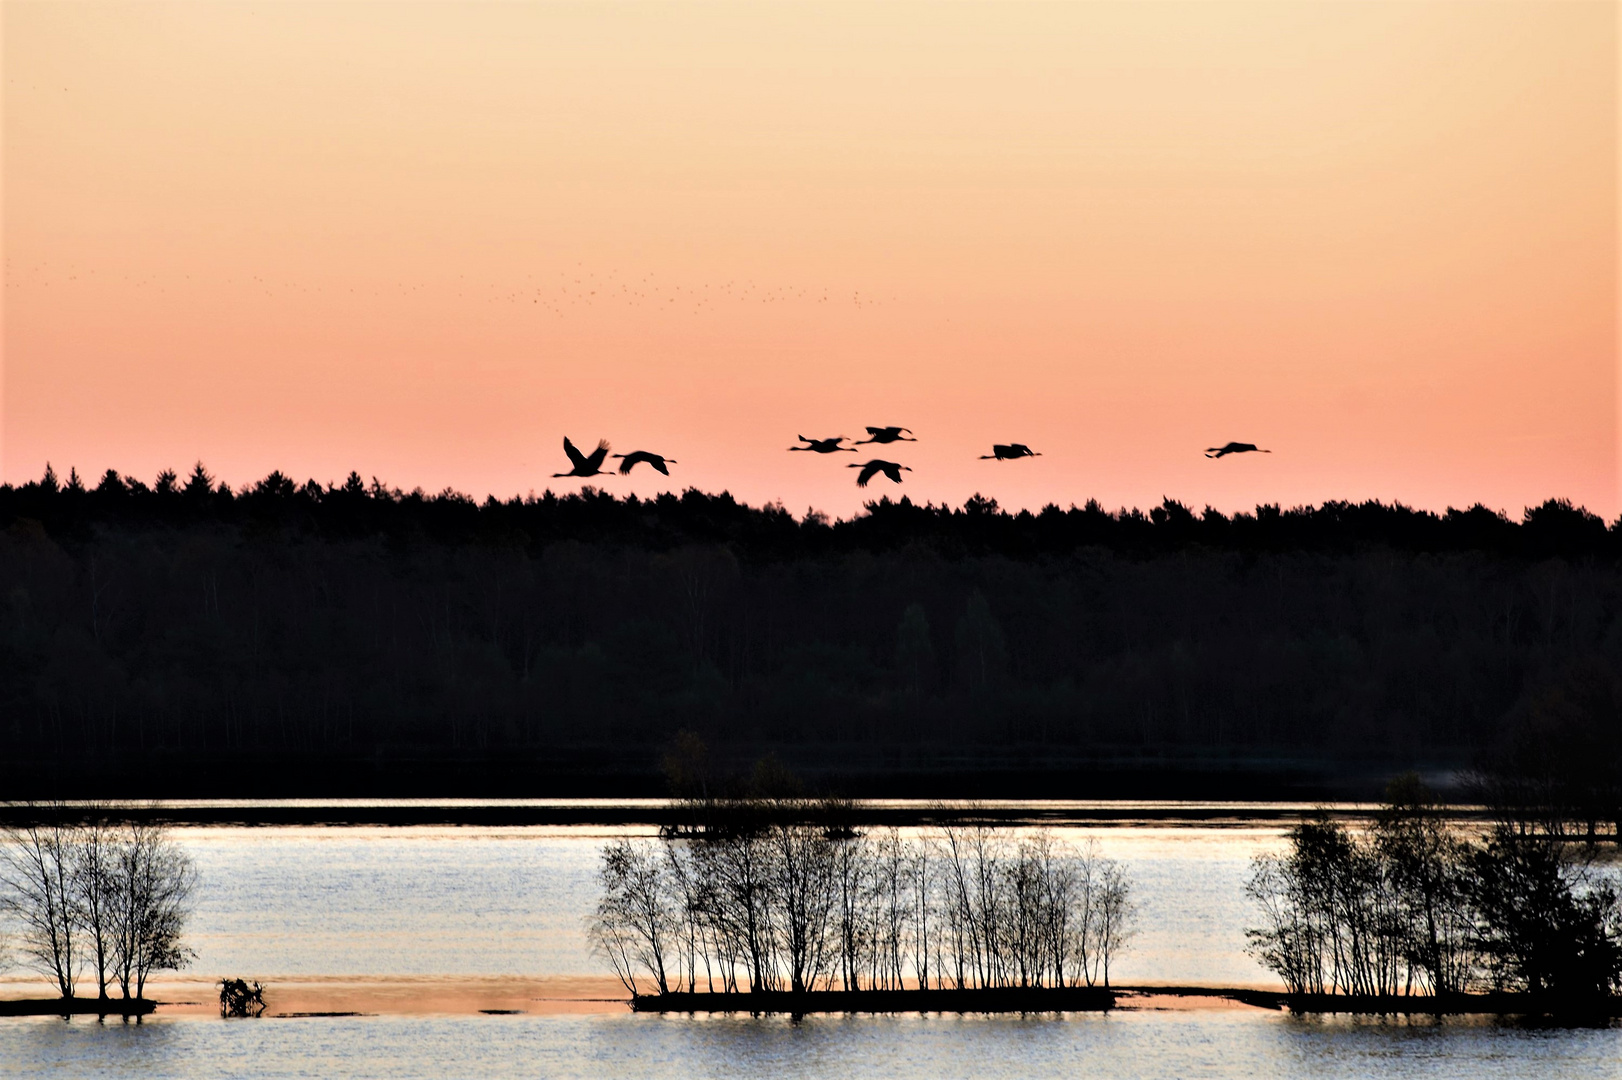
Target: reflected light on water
{"points": [[1118, 1046]]}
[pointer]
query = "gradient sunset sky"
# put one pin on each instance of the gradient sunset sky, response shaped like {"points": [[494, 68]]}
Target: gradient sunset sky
{"points": [[426, 241]]}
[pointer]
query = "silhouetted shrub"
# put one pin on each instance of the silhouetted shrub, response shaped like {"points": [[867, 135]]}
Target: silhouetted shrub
{"points": [[241, 998]]}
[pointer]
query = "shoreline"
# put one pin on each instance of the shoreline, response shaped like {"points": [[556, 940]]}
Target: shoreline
{"points": [[999, 999], [306, 996], [1026, 1000], [315, 997]]}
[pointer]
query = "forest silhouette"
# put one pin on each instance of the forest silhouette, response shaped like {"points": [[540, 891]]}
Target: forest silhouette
{"points": [[308, 638]]}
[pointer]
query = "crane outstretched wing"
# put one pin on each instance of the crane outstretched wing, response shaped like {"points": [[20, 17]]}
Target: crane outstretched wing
{"points": [[635, 457], [598, 455], [575, 456], [876, 430], [869, 471]]}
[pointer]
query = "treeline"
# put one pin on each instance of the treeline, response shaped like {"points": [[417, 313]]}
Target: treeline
{"points": [[104, 897], [1418, 905], [359, 507], [781, 895], [161, 635]]}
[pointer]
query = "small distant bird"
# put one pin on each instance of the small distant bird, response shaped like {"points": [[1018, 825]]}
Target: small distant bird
{"points": [[583, 465], [1009, 452], [823, 446], [631, 460], [885, 435], [1235, 448], [873, 468]]}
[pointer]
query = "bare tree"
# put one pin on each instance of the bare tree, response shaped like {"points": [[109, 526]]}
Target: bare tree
{"points": [[895, 906], [1289, 941], [634, 927], [803, 890], [95, 896], [688, 894], [921, 905], [1427, 861], [851, 873], [743, 871], [37, 866], [150, 902], [1116, 910]]}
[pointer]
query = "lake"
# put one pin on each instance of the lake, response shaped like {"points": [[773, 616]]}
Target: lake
{"points": [[423, 926]]}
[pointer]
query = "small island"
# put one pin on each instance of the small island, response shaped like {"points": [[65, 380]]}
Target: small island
{"points": [[90, 889], [770, 903]]}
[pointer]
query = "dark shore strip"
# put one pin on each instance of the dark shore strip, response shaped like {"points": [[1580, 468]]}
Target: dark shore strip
{"points": [[1490, 1004], [1453, 1005], [76, 1007], [1002, 999], [428, 813]]}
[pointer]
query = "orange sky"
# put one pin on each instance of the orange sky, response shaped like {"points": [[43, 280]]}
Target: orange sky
{"points": [[425, 241]]}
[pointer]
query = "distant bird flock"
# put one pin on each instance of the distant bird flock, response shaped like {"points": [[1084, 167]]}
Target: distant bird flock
{"points": [[585, 465]]}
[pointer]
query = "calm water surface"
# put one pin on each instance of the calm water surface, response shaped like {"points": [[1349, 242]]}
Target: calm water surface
{"points": [[1119, 1046], [335, 901], [475, 901]]}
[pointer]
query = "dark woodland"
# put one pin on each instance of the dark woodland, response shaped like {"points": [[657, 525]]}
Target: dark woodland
{"points": [[180, 637]]}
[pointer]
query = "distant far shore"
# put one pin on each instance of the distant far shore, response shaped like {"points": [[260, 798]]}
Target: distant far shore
{"points": [[178, 640], [663, 813], [1009, 771]]}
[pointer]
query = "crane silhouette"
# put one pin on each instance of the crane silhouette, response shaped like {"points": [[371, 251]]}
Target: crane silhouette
{"points": [[1009, 452], [583, 465], [1235, 448], [636, 457], [873, 468], [885, 435], [823, 446]]}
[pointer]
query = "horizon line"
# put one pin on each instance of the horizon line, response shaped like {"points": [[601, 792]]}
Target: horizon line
{"points": [[382, 491]]}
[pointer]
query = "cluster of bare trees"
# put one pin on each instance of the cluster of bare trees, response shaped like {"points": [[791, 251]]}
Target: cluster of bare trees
{"points": [[792, 904], [1415, 905], [106, 898], [1340, 915]]}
